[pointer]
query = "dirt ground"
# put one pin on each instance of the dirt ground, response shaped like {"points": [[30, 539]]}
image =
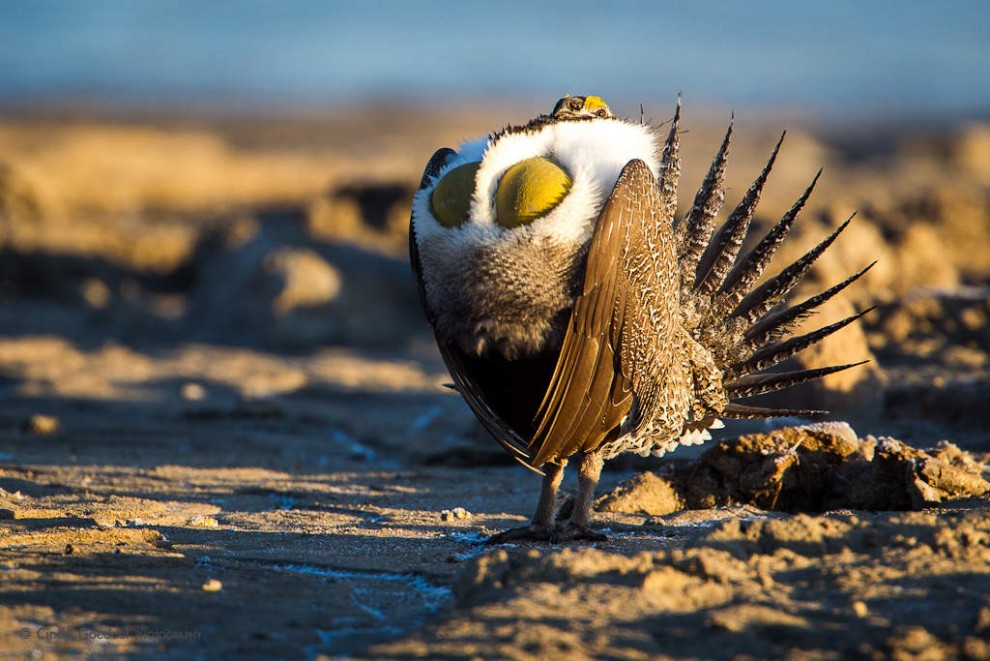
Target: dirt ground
{"points": [[224, 430]]}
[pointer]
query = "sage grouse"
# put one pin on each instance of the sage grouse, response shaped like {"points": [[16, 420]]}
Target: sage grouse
{"points": [[580, 318]]}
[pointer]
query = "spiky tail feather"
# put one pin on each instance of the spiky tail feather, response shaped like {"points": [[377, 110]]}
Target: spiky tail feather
{"points": [[742, 325]]}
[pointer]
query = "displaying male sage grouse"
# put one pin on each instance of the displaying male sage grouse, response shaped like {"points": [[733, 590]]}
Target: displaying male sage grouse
{"points": [[580, 318]]}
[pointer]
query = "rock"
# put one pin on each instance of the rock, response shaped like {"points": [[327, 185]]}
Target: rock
{"points": [[212, 585], [456, 513], [21, 195], [202, 521], [306, 281], [787, 469], [41, 425], [948, 326], [907, 478], [367, 213], [645, 493], [96, 293], [192, 392], [278, 289]]}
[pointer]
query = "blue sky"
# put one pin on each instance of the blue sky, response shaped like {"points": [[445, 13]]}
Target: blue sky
{"points": [[874, 55]]}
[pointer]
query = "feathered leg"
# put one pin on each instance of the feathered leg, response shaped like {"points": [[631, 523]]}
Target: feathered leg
{"points": [[578, 527], [546, 509], [542, 527]]}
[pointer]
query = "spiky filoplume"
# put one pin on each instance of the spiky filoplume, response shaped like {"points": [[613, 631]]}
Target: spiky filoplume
{"points": [[664, 330]]}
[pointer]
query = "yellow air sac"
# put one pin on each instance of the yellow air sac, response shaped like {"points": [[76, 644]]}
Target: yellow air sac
{"points": [[529, 190], [451, 199]]}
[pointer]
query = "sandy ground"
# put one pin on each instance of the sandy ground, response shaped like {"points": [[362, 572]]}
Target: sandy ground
{"points": [[224, 430]]}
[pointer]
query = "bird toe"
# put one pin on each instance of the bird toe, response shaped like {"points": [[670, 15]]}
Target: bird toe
{"points": [[530, 533], [575, 532]]}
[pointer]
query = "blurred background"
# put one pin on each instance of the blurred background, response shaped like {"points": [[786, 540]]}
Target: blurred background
{"points": [[191, 189]]}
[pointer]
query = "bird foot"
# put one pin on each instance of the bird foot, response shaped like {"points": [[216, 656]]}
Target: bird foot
{"points": [[569, 532], [531, 533], [575, 532]]}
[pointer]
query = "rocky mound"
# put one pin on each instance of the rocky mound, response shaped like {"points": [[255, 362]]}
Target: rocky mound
{"points": [[813, 468]]}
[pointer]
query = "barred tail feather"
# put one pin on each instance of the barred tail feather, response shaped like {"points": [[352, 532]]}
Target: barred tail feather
{"points": [[699, 224], [751, 385], [670, 166], [743, 412]]}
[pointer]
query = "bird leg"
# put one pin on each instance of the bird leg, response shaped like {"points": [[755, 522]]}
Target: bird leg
{"points": [[578, 527], [541, 529]]}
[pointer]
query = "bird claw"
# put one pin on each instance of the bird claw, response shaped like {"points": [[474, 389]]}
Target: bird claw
{"points": [[531, 533]]}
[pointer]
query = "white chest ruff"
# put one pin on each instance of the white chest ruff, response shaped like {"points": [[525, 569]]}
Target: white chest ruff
{"points": [[486, 284]]}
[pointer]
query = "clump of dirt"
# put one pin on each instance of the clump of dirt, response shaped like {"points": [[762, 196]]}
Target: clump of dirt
{"points": [[645, 493], [937, 227], [267, 282], [811, 468]]}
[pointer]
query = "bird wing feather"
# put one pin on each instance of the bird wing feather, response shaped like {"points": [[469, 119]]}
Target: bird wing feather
{"points": [[617, 352]]}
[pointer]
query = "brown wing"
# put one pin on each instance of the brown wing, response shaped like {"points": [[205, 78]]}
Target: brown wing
{"points": [[503, 433], [612, 363], [588, 395]]}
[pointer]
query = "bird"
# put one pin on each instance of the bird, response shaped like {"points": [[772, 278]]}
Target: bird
{"points": [[581, 317]]}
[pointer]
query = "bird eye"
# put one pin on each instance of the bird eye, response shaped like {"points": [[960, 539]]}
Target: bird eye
{"points": [[450, 201], [601, 112], [529, 190]]}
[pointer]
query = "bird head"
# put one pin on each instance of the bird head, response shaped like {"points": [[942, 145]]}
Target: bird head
{"points": [[581, 107], [553, 171]]}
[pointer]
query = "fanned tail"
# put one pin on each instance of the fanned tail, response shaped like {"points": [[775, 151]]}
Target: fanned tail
{"points": [[742, 324]]}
